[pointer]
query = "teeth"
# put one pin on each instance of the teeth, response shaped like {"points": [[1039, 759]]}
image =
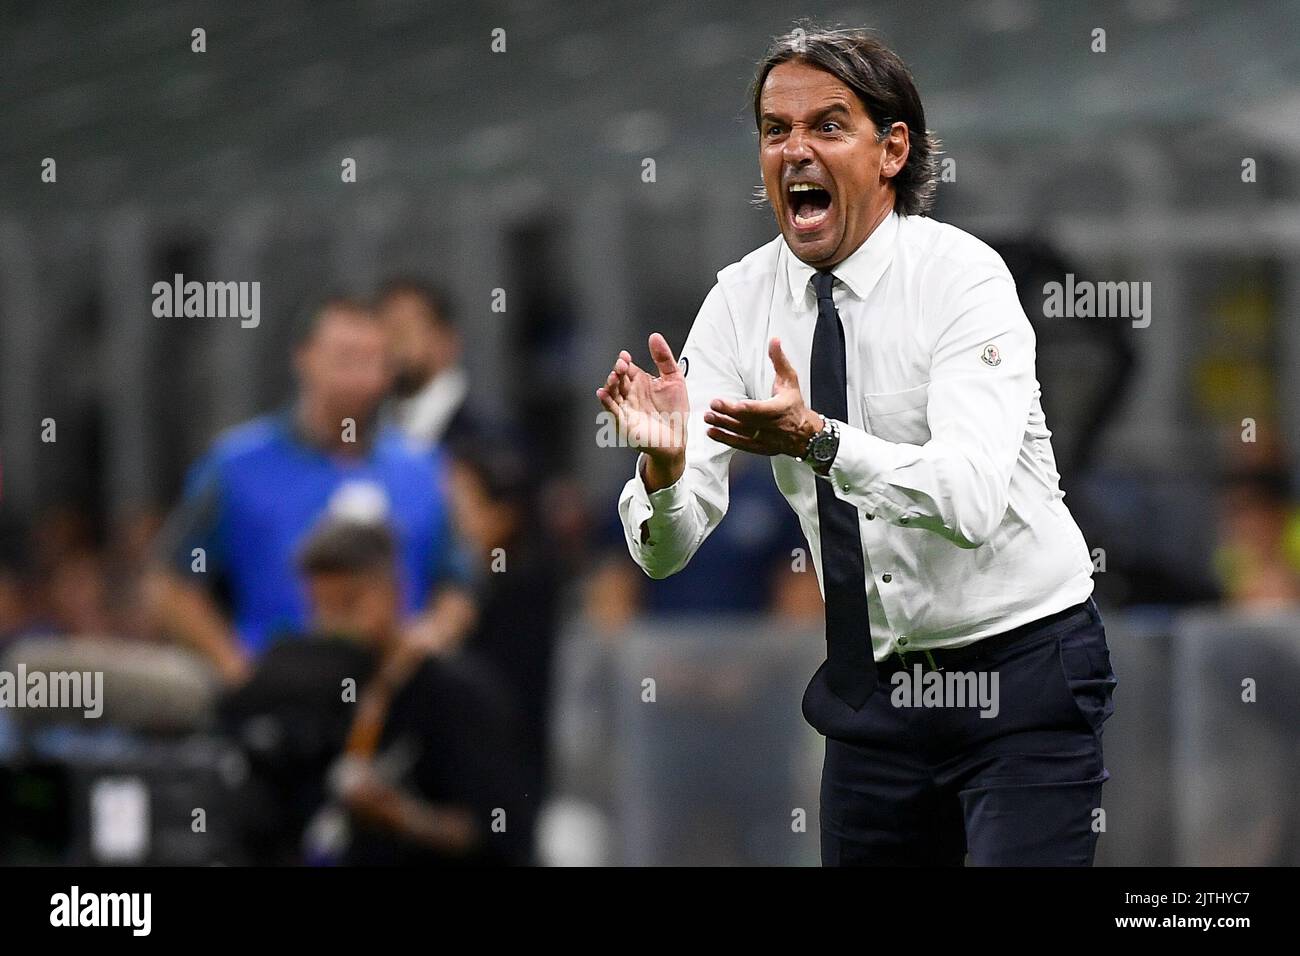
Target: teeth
{"points": [[803, 188]]}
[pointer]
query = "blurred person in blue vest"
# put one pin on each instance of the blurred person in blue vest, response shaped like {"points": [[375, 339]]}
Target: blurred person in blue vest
{"points": [[225, 583]]}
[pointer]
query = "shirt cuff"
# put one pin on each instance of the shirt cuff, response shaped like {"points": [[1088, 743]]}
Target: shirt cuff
{"points": [[857, 473], [656, 507]]}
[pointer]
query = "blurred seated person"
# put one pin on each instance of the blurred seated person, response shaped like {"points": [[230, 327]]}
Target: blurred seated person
{"points": [[225, 582], [1258, 558], [76, 597], [70, 600], [15, 610], [365, 748], [53, 578]]}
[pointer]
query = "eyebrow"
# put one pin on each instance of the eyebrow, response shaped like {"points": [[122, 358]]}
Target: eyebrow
{"points": [[821, 114]]}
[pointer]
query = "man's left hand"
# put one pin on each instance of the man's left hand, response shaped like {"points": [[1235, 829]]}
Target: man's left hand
{"points": [[780, 425]]}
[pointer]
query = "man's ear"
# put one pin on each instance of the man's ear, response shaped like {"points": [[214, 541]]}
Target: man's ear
{"points": [[898, 145]]}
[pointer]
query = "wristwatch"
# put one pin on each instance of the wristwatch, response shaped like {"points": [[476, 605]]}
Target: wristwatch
{"points": [[822, 447]]}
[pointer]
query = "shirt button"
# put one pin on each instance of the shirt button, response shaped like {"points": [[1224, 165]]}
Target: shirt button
{"points": [[902, 640], [844, 486], [871, 517], [886, 577], [904, 520]]}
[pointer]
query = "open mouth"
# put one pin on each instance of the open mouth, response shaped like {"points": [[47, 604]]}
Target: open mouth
{"points": [[809, 205]]}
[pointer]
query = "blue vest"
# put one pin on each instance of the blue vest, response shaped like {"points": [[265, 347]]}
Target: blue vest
{"points": [[267, 489]]}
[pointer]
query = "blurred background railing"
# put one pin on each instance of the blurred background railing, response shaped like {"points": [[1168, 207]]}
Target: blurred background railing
{"points": [[680, 744]]}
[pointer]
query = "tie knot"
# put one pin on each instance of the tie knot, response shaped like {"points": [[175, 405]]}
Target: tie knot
{"points": [[822, 283]]}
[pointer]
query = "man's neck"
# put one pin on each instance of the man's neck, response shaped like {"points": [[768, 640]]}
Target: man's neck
{"points": [[435, 375], [331, 433], [881, 215]]}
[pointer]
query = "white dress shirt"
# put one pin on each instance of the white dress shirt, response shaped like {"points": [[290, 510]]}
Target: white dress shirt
{"points": [[425, 415], [946, 454]]}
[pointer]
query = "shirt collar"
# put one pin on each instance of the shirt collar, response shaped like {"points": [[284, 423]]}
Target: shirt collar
{"points": [[426, 414], [859, 272]]}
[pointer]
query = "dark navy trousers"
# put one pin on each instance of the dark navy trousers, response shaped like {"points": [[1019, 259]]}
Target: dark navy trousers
{"points": [[926, 786]]}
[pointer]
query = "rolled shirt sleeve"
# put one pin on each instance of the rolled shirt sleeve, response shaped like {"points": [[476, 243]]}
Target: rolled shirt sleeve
{"points": [[677, 519], [982, 384]]}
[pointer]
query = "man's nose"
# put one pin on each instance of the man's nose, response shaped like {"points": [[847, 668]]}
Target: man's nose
{"points": [[797, 151]]}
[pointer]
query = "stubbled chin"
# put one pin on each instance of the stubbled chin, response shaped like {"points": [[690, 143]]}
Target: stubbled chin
{"points": [[813, 250]]}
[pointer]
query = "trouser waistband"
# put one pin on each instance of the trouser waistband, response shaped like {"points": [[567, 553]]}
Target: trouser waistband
{"points": [[953, 658]]}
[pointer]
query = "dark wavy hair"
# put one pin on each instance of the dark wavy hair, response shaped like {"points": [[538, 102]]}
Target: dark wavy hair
{"points": [[347, 546], [884, 84]]}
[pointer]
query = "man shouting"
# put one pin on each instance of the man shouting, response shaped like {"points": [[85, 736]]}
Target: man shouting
{"points": [[882, 361]]}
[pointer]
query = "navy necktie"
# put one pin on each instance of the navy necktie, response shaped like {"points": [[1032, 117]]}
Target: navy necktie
{"points": [[850, 664]]}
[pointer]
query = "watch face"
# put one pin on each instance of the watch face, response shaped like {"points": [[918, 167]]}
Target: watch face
{"points": [[821, 448]]}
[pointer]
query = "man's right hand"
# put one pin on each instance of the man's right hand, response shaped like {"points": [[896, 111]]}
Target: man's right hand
{"points": [[182, 610], [651, 412]]}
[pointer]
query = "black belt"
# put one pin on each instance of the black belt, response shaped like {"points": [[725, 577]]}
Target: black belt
{"points": [[954, 658]]}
